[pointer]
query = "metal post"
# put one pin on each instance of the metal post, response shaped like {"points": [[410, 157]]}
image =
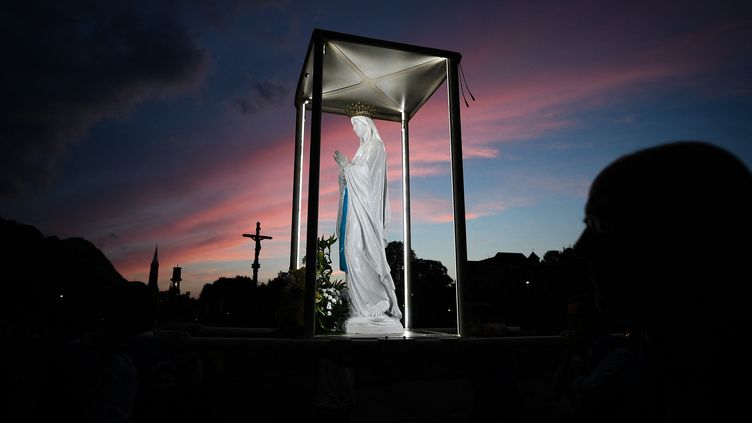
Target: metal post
{"points": [[406, 231], [458, 188], [309, 317], [297, 189]]}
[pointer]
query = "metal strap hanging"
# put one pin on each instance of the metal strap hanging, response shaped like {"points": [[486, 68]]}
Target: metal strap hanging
{"points": [[465, 86]]}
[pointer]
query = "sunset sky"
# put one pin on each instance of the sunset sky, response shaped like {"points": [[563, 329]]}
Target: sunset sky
{"points": [[172, 122]]}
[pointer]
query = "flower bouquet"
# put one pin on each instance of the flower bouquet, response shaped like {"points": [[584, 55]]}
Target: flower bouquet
{"points": [[331, 295]]}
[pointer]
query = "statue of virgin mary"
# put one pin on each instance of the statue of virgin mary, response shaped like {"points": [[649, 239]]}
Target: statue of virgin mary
{"points": [[362, 220]]}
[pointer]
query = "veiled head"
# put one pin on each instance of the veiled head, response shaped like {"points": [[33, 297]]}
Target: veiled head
{"points": [[360, 126], [365, 128]]}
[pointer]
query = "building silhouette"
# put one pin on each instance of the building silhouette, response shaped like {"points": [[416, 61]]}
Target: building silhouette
{"points": [[524, 291], [154, 272], [175, 285]]}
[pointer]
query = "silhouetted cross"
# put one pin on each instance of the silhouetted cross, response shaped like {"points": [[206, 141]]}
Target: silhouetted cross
{"points": [[256, 237]]}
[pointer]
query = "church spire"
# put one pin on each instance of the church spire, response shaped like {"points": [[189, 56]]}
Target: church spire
{"points": [[154, 271]]}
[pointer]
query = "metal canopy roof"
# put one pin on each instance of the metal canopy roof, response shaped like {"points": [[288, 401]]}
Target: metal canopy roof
{"points": [[394, 77]]}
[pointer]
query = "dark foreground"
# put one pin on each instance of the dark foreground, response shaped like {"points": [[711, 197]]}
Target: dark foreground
{"points": [[252, 375], [428, 378]]}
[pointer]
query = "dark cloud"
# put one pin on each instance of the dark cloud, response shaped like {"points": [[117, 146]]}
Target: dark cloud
{"points": [[68, 65], [263, 95]]}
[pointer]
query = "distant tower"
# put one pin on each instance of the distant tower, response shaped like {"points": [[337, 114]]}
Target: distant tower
{"points": [[175, 286], [153, 272]]}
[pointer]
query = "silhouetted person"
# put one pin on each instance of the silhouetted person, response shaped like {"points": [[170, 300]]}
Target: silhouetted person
{"points": [[69, 364], [335, 391], [166, 371], [145, 376], [598, 373], [667, 239], [129, 310]]}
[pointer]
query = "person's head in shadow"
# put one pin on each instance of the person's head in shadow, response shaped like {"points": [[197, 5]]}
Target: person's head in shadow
{"points": [[130, 309], [667, 239], [663, 225]]}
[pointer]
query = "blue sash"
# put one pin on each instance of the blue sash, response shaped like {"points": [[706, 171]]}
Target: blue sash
{"points": [[342, 232]]}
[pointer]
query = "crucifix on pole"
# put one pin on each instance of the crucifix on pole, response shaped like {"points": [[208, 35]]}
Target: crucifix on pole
{"points": [[256, 237]]}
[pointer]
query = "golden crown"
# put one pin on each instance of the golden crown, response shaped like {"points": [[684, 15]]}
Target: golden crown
{"points": [[360, 108]]}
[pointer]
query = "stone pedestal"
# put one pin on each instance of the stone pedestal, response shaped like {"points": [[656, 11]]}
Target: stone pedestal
{"points": [[374, 325]]}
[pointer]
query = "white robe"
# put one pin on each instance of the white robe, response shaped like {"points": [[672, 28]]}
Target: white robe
{"points": [[370, 286]]}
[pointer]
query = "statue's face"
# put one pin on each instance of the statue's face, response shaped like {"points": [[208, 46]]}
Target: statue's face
{"points": [[359, 128]]}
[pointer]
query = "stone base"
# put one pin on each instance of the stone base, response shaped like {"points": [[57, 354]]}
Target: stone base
{"points": [[375, 325]]}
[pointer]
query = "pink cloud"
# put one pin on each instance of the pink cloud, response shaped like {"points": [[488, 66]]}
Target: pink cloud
{"points": [[440, 210], [212, 230]]}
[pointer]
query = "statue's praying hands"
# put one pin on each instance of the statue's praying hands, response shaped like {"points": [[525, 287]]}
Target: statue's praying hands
{"points": [[340, 158]]}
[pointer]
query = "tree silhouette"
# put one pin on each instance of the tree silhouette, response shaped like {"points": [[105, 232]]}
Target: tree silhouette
{"points": [[229, 302], [433, 292]]}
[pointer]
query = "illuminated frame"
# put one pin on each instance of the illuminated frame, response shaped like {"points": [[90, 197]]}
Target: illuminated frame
{"points": [[398, 79]]}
